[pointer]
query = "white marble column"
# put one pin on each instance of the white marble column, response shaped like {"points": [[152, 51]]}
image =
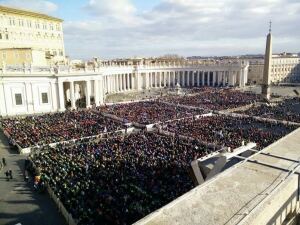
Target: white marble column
{"points": [[96, 92], [203, 78], [72, 95], [194, 79], [128, 85], [150, 80], [124, 82], [160, 78], [88, 93], [188, 78], [198, 78], [224, 78], [116, 83], [100, 92], [61, 96], [174, 79], [169, 79], [214, 78]]}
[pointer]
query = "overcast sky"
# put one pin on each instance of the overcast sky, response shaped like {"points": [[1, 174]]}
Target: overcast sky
{"points": [[126, 28]]}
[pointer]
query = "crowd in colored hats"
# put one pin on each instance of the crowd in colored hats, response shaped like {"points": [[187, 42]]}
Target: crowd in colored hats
{"points": [[119, 180], [230, 131], [50, 128], [149, 112], [215, 98], [288, 110]]}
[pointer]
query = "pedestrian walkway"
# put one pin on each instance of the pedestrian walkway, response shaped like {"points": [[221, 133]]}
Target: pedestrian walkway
{"points": [[18, 202]]}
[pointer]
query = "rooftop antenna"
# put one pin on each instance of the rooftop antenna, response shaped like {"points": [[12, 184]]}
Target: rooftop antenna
{"points": [[270, 26]]}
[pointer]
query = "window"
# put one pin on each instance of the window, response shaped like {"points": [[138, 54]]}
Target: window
{"points": [[61, 53], [18, 98], [28, 55], [45, 98]]}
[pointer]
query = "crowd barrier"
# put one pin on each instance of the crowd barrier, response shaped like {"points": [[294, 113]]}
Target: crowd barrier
{"points": [[288, 123], [60, 206]]}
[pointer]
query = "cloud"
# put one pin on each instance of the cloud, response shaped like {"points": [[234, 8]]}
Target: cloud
{"points": [[118, 28], [35, 5], [121, 10]]}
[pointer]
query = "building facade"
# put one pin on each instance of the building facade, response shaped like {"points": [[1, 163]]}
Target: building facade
{"points": [[26, 29], [284, 69], [21, 56], [30, 90]]}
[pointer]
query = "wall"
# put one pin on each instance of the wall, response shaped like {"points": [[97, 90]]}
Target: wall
{"points": [[21, 56], [31, 90]]}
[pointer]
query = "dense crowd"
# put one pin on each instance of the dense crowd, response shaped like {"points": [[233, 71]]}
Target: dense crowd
{"points": [[149, 112], [215, 98], [288, 110], [230, 131], [119, 180], [51, 128]]}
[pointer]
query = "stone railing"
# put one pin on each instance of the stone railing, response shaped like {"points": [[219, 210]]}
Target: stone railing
{"points": [[90, 68]]}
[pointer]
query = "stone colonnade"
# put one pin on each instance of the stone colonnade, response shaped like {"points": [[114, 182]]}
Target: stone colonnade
{"points": [[115, 83], [110, 81], [70, 90]]}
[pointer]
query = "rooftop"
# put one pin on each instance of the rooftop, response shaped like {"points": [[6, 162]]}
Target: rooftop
{"points": [[251, 182], [23, 12]]}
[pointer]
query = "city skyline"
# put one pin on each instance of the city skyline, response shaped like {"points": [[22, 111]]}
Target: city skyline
{"points": [[127, 28]]}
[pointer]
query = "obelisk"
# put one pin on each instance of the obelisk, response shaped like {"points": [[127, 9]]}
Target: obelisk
{"points": [[267, 67]]}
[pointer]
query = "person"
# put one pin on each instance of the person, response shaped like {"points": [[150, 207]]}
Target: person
{"points": [[10, 174], [4, 161], [7, 175]]}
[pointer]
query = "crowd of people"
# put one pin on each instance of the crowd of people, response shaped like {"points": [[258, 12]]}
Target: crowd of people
{"points": [[51, 128], [230, 131], [215, 98], [288, 110], [121, 179], [118, 179], [149, 112]]}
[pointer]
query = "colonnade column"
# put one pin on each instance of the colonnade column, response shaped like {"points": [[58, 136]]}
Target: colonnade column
{"points": [[61, 96], [100, 90], [128, 84], [203, 75], [160, 75], [224, 78], [193, 78], [150, 80], [124, 81], [96, 92], [214, 78], [198, 78], [88, 93], [72, 95]]}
